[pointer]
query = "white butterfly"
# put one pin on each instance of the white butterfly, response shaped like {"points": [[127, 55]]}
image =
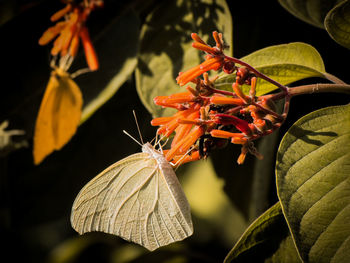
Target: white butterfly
{"points": [[139, 198]]}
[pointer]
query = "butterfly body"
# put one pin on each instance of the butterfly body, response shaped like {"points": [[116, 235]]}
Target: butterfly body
{"points": [[139, 198]]}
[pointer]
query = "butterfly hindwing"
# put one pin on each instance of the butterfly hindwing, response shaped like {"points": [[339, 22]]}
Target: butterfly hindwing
{"points": [[138, 199]]}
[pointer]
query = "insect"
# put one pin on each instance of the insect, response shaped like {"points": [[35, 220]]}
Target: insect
{"points": [[59, 113], [139, 198]]}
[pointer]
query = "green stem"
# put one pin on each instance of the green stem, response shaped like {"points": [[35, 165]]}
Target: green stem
{"points": [[318, 88], [310, 89]]}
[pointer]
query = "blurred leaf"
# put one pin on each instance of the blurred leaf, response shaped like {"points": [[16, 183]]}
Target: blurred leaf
{"points": [[313, 180], [337, 23], [166, 49], [204, 191], [310, 11], [267, 239], [7, 144], [284, 63], [117, 47], [92, 247]]}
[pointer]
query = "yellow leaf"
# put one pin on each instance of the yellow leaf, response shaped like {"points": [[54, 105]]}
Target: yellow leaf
{"points": [[59, 115]]}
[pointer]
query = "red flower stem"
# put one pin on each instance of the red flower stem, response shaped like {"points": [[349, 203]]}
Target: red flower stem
{"points": [[286, 108], [278, 116], [223, 92], [226, 119], [234, 110], [257, 73]]}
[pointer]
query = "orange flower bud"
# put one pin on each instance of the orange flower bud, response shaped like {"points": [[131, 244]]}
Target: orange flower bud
{"points": [[184, 129], [213, 63], [59, 14], [242, 156], [239, 92], [225, 134], [221, 100], [161, 121], [51, 33], [195, 37], [237, 140], [204, 47], [191, 138], [185, 143], [74, 46], [90, 52]]}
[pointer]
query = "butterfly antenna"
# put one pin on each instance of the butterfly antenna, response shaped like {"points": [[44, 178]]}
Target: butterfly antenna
{"points": [[180, 160], [132, 138], [138, 127]]}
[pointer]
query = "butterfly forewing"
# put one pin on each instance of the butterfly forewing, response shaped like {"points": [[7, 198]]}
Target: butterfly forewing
{"points": [[139, 199]]}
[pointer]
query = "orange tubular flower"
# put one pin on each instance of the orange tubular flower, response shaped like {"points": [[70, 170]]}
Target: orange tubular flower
{"points": [[221, 100], [185, 143], [183, 130], [242, 156], [236, 88], [59, 14], [167, 128], [90, 53], [207, 115], [69, 32], [175, 98], [212, 63], [225, 134], [214, 59]]}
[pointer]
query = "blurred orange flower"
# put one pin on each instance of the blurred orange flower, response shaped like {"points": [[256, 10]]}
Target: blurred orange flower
{"points": [[68, 33]]}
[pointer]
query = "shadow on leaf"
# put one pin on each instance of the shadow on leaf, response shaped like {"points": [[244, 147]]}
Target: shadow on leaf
{"points": [[306, 135]]}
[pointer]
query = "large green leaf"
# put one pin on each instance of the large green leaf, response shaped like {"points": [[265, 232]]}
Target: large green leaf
{"points": [[310, 11], [284, 63], [313, 180], [337, 23], [117, 50], [165, 47], [267, 239]]}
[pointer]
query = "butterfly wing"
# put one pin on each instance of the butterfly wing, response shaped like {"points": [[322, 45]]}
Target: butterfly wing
{"points": [[134, 199], [59, 115]]}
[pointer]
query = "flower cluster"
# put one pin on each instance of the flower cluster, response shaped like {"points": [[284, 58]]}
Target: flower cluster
{"points": [[206, 117], [71, 30]]}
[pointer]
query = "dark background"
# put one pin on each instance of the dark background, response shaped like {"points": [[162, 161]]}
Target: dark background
{"points": [[35, 202]]}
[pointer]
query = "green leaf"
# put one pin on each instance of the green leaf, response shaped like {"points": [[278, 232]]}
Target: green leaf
{"points": [[313, 181], [284, 63], [337, 23], [117, 50], [310, 11], [165, 47], [266, 239]]}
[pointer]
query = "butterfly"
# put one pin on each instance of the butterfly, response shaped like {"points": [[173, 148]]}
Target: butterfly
{"points": [[59, 113], [138, 198]]}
